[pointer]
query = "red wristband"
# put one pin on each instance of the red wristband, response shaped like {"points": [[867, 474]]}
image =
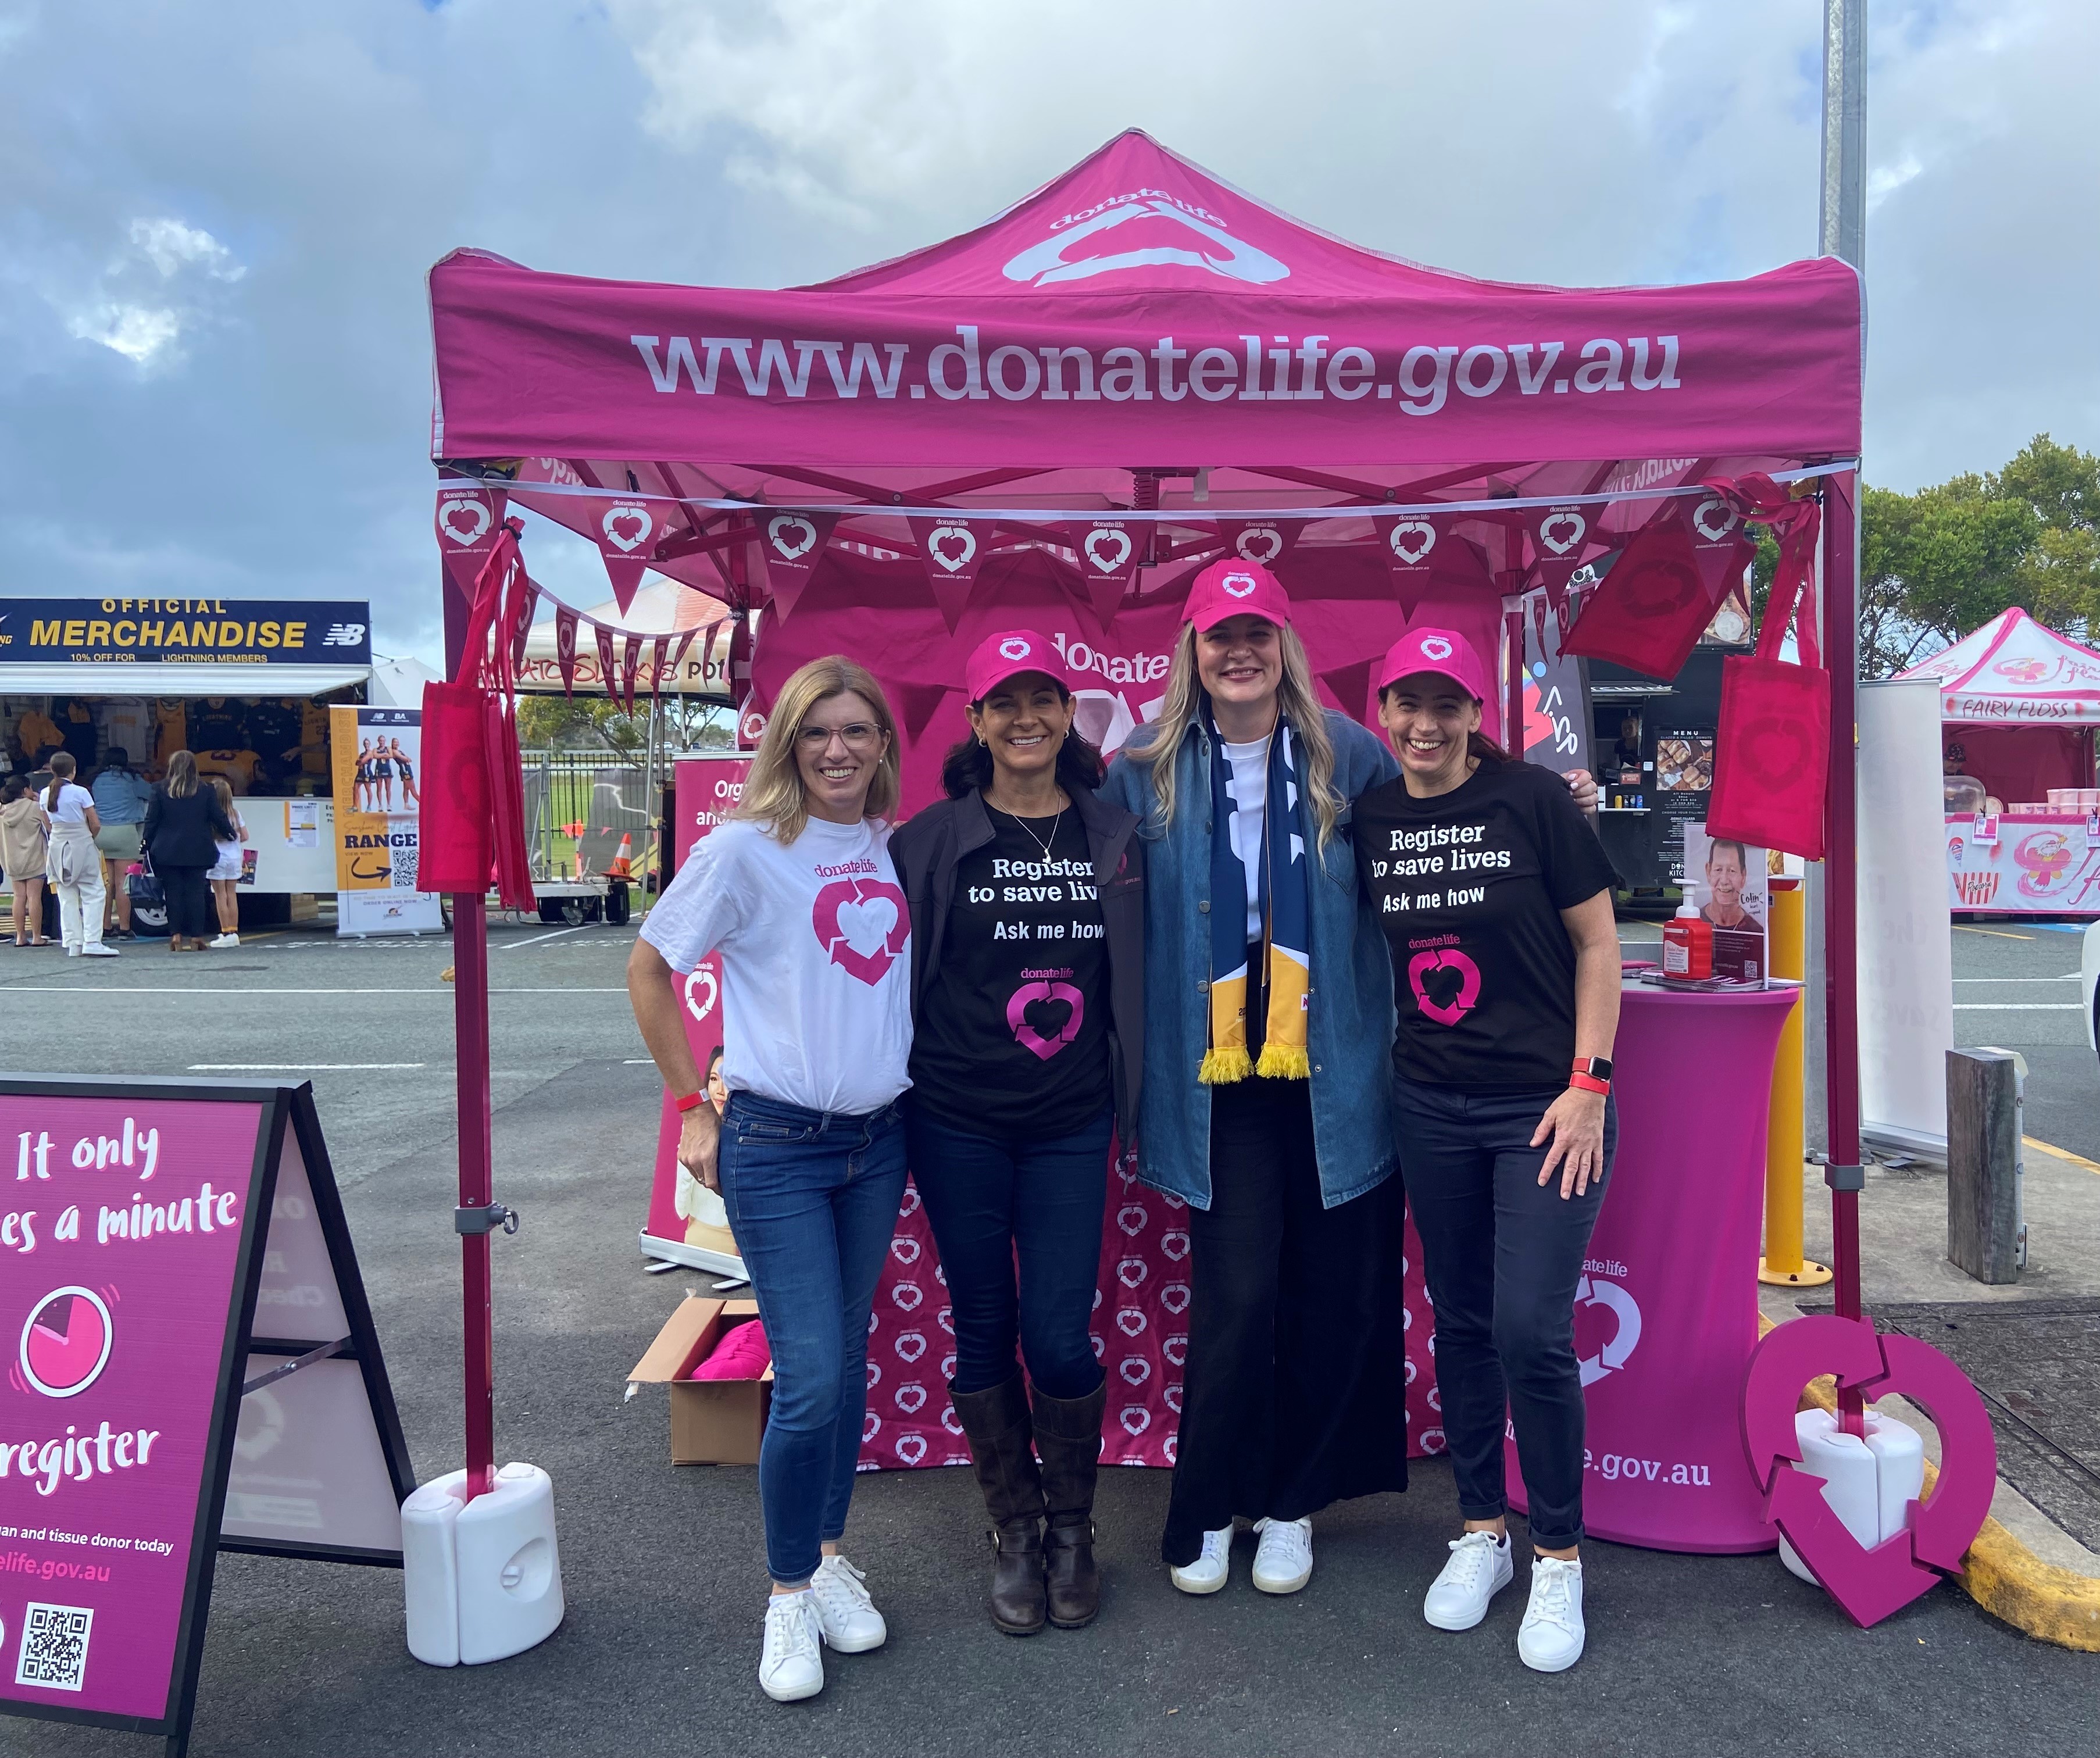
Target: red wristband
{"points": [[691, 1101], [1589, 1083]]}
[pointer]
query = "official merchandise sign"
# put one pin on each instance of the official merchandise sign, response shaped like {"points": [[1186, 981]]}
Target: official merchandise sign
{"points": [[377, 755], [187, 1337], [178, 631]]}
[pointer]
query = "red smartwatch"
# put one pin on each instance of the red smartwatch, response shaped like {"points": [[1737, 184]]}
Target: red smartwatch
{"points": [[691, 1101], [1592, 1074]]}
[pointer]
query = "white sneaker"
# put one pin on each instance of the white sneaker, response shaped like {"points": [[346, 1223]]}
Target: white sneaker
{"points": [[1284, 1562], [792, 1665], [228, 939], [1209, 1572], [1549, 1639], [98, 950], [1480, 1568], [846, 1617]]}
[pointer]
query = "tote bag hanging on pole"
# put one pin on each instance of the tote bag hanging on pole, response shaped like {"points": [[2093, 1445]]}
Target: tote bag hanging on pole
{"points": [[1772, 751], [1655, 602]]}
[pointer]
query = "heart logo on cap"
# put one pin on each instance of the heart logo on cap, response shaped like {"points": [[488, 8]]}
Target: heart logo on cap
{"points": [[1715, 519], [1561, 531], [464, 520], [1103, 539], [1436, 647], [952, 546], [1240, 585], [626, 526], [1259, 543], [1412, 539], [792, 535], [1013, 648]]}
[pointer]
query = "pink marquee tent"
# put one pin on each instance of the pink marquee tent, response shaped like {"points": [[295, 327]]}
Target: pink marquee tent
{"points": [[2015, 671], [1052, 418]]}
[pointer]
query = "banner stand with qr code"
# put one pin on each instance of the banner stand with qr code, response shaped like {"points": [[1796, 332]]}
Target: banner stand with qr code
{"points": [[193, 1369]]}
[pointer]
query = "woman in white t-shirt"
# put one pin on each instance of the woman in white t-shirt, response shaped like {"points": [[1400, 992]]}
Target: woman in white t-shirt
{"points": [[73, 863], [797, 895]]}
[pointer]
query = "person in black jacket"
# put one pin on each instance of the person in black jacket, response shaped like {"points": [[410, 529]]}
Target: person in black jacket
{"points": [[184, 826], [1027, 901]]}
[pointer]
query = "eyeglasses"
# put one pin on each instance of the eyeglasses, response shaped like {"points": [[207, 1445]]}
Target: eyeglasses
{"points": [[859, 735]]}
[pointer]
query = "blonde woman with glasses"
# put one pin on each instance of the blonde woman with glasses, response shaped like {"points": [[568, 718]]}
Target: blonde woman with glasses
{"points": [[798, 896]]}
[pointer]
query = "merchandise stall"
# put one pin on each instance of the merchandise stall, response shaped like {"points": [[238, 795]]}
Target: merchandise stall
{"points": [[2019, 706], [245, 684], [1051, 421]]}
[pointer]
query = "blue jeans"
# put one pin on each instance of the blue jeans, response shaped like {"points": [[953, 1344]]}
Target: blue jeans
{"points": [[1502, 1254], [813, 1198], [990, 1200]]}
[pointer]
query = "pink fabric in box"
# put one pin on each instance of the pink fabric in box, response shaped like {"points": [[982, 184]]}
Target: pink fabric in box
{"points": [[742, 1353]]}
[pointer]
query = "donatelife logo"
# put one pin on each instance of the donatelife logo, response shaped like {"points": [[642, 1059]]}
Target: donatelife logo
{"points": [[1594, 1290], [66, 1341], [1211, 247]]}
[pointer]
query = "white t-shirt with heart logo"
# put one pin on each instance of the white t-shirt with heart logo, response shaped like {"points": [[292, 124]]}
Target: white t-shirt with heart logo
{"points": [[816, 940]]}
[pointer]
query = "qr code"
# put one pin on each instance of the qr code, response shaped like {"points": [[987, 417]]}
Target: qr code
{"points": [[53, 1651], [404, 869]]}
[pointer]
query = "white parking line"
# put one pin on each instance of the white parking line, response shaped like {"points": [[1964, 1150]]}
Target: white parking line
{"points": [[513, 945], [297, 1067], [2068, 976], [2018, 1006]]}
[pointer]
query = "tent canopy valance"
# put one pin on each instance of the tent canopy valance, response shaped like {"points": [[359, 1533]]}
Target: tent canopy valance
{"points": [[2015, 671]]}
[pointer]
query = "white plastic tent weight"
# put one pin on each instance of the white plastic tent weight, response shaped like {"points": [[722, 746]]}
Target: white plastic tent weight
{"points": [[1869, 1483], [483, 1577]]}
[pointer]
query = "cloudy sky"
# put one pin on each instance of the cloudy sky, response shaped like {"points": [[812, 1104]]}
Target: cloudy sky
{"points": [[215, 215]]}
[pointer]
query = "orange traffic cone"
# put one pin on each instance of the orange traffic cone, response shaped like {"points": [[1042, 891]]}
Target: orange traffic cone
{"points": [[622, 865]]}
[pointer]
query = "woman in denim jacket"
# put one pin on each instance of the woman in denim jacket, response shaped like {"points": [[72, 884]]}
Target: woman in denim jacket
{"points": [[1267, 1092]]}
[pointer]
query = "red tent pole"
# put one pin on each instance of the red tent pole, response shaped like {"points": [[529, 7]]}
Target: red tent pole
{"points": [[1513, 739], [1841, 911], [476, 1180]]}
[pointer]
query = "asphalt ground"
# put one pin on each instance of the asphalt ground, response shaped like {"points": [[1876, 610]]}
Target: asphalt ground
{"points": [[662, 1566]]}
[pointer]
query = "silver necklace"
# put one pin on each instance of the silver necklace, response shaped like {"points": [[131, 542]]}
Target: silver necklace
{"points": [[1042, 843]]}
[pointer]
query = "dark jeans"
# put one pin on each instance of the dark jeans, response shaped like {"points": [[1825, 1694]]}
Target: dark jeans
{"points": [[1502, 1253], [1293, 1395], [1040, 1202], [188, 893], [813, 1199]]}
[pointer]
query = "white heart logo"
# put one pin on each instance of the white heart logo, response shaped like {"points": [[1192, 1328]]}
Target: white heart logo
{"points": [[951, 546], [1169, 1447], [910, 1206], [1130, 1218], [1175, 1246], [865, 924], [792, 535], [1412, 539], [1171, 1395], [627, 526], [950, 1421], [700, 992], [1715, 519], [1432, 1440], [1561, 531], [1240, 585], [1436, 647], [1104, 537], [1130, 1321], [904, 1248], [752, 728], [1175, 1349], [1099, 1351], [910, 1397], [1407, 1372], [1259, 543], [1435, 1399], [870, 1424], [1013, 648], [1131, 1272], [907, 1295], [874, 1374], [945, 1319], [1175, 1298], [464, 520], [1135, 1419], [1135, 1369], [911, 1448], [911, 1345]]}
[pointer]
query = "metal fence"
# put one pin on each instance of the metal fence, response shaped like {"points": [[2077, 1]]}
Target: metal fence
{"points": [[584, 808]]}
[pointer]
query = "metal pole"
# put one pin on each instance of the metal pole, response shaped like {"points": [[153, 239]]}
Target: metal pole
{"points": [[1841, 232], [476, 1180]]}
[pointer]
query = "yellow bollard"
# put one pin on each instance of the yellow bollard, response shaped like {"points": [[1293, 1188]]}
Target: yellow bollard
{"points": [[1782, 1263]]}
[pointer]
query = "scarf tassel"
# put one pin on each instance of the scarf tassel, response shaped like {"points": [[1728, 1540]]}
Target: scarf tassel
{"points": [[1222, 1065], [1281, 1062]]}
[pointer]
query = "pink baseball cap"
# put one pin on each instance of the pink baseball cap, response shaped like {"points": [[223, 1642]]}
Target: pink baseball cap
{"points": [[1006, 654], [1444, 651], [1234, 587]]}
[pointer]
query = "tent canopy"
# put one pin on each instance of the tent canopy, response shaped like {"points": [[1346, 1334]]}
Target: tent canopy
{"points": [[2014, 670], [1134, 334]]}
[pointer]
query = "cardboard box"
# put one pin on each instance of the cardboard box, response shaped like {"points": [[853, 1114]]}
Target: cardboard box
{"points": [[712, 1421]]}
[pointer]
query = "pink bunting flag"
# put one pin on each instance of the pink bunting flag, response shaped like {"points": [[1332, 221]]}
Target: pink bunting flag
{"points": [[1538, 609], [1417, 547], [790, 544], [528, 598], [953, 551], [658, 659], [608, 670], [565, 648], [1110, 551], [469, 518], [1267, 541], [1722, 544], [1560, 537], [627, 531], [630, 667]]}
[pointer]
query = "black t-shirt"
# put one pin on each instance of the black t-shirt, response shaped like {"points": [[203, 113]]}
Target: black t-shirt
{"points": [[1469, 887], [1013, 1038]]}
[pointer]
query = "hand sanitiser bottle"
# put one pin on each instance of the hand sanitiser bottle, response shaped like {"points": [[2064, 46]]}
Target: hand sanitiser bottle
{"points": [[1688, 944]]}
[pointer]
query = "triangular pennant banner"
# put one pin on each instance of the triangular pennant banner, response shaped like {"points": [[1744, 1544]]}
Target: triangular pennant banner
{"points": [[1538, 608], [565, 647], [528, 598], [468, 519], [1411, 542], [792, 544], [920, 703], [1351, 687], [658, 659], [607, 669], [627, 531], [1109, 551], [678, 658], [630, 667], [1722, 544], [1561, 538], [1267, 541], [953, 552]]}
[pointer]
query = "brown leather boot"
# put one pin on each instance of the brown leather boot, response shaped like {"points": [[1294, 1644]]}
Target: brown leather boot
{"points": [[1067, 1434], [996, 1424]]}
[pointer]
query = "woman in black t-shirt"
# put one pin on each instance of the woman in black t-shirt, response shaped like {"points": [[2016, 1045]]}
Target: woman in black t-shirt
{"points": [[1495, 901], [1027, 1002]]}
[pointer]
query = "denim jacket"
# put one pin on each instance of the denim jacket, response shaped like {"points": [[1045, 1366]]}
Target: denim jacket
{"points": [[1351, 1023]]}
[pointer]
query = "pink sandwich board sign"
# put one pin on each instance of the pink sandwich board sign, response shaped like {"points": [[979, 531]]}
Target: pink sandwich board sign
{"points": [[191, 1368]]}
